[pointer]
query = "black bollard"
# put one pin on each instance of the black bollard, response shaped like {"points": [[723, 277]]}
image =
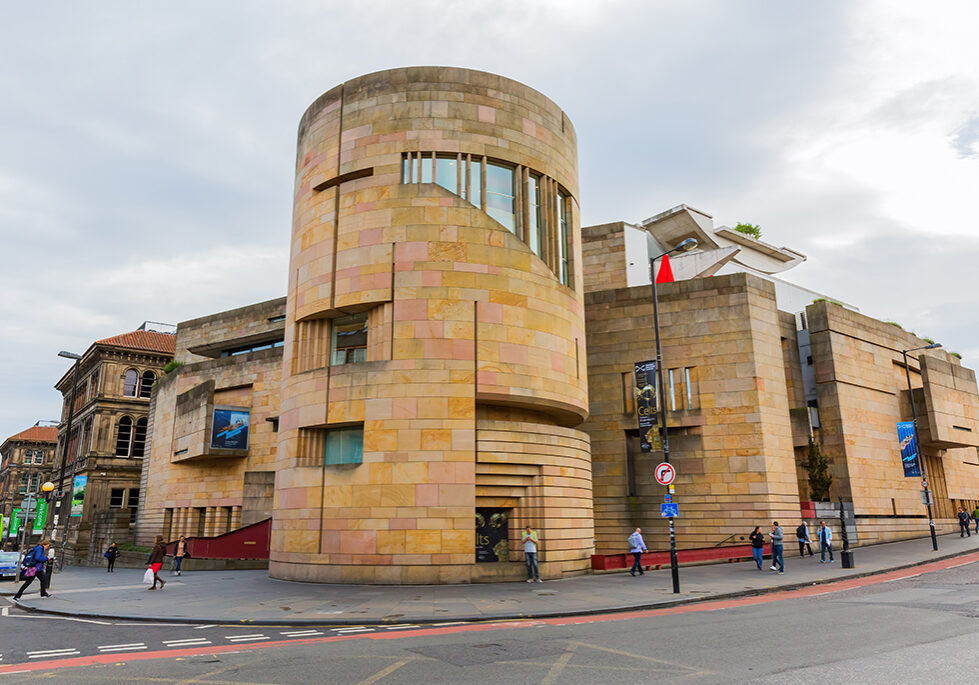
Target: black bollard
{"points": [[846, 556]]}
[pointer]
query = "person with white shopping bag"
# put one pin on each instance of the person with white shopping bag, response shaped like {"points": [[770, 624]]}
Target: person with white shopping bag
{"points": [[155, 563]]}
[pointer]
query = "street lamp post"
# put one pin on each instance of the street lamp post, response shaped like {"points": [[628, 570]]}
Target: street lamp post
{"points": [[64, 452], [682, 246], [917, 445]]}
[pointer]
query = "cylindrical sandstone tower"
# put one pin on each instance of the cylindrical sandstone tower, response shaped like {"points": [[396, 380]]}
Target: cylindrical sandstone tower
{"points": [[434, 362]]}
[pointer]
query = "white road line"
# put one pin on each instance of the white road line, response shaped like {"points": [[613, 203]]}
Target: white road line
{"points": [[128, 644], [450, 623], [4, 611], [301, 633], [123, 649], [346, 631], [54, 654], [231, 637], [401, 627], [187, 643], [248, 639], [210, 625]]}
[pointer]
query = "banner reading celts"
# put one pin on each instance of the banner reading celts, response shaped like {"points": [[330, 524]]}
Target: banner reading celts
{"points": [[909, 449], [645, 392]]}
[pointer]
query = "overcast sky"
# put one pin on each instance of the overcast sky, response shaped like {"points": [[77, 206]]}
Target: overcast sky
{"points": [[147, 150]]}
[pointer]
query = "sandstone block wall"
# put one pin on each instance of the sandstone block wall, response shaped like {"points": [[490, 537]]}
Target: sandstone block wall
{"points": [[462, 315]]}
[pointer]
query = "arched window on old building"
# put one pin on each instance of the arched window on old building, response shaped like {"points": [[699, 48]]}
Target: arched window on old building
{"points": [[129, 383], [124, 436], [146, 384], [139, 438]]}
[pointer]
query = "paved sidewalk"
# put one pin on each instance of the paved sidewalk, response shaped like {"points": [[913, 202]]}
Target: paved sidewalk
{"points": [[252, 597]]}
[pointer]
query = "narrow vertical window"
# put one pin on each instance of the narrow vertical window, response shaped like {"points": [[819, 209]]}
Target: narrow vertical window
{"points": [[124, 435], [534, 240], [500, 195], [139, 438], [670, 385], [129, 383], [425, 173], [688, 387], [476, 182], [406, 168], [563, 249]]}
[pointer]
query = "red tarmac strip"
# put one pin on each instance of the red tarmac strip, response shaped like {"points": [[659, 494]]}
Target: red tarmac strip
{"points": [[708, 605]]}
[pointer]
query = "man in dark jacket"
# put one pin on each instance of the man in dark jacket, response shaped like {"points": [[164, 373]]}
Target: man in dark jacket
{"points": [[964, 523], [34, 562]]}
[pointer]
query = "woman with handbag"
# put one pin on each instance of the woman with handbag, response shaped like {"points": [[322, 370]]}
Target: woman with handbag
{"points": [[110, 555], [34, 562]]}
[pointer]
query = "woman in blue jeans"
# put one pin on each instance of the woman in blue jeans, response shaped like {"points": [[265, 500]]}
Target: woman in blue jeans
{"points": [[757, 545]]}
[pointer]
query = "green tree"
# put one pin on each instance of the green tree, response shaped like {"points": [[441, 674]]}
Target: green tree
{"points": [[753, 230], [820, 478]]}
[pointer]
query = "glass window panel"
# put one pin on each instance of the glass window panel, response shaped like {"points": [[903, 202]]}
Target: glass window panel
{"points": [[146, 384], [129, 383], [404, 169], [534, 216], [139, 438], [475, 182], [133, 499], [349, 340], [670, 386], [426, 169], [688, 387], [123, 436], [116, 496], [345, 445], [562, 243], [446, 173]]}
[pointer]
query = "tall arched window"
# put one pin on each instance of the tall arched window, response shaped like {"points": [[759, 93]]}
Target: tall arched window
{"points": [[129, 383], [146, 384], [139, 438], [124, 436], [24, 478]]}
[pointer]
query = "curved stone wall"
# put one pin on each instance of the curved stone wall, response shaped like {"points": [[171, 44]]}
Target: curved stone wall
{"points": [[437, 209]]}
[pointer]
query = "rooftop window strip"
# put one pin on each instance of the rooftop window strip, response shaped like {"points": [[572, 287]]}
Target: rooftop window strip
{"points": [[447, 172], [564, 267], [255, 347], [500, 195]]}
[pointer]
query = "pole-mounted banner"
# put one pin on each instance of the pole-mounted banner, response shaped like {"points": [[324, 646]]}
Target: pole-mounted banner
{"points": [[909, 449], [645, 392]]}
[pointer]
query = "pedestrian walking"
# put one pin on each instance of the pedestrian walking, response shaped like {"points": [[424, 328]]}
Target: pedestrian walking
{"points": [[975, 516], [825, 536], [33, 567], [964, 523], [757, 545], [802, 535], [155, 561], [530, 541], [179, 552], [778, 558], [110, 557], [637, 547]]}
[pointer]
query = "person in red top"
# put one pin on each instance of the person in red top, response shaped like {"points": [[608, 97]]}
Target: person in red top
{"points": [[156, 561]]}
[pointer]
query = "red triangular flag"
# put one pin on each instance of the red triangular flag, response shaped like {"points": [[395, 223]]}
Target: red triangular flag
{"points": [[665, 274]]}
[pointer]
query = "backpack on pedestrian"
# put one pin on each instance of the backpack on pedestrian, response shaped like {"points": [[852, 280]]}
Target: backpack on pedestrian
{"points": [[800, 532], [633, 540], [29, 560]]}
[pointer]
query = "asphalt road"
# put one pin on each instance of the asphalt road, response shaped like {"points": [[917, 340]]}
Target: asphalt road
{"points": [[917, 629]]}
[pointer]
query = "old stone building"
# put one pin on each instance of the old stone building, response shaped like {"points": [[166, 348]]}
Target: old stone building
{"points": [[198, 480], [103, 455], [26, 461]]}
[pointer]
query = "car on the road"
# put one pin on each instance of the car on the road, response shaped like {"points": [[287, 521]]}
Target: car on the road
{"points": [[9, 565]]}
